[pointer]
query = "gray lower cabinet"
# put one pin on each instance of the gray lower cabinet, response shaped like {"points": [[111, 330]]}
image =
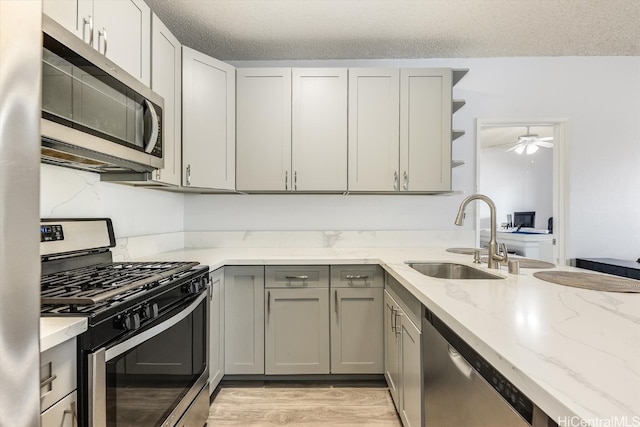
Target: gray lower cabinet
{"points": [[391, 347], [58, 385], [244, 320], [216, 329], [296, 320], [403, 351], [357, 319], [62, 414]]}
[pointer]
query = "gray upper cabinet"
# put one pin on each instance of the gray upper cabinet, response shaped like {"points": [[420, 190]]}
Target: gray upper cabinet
{"points": [[166, 80], [400, 130], [121, 30], [208, 122], [319, 129], [425, 129], [263, 141], [292, 130], [374, 96]]}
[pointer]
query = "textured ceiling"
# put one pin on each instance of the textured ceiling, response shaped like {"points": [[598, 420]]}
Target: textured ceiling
{"points": [[396, 29]]}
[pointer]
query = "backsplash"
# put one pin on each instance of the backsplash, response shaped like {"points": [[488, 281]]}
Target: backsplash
{"points": [[69, 193]]}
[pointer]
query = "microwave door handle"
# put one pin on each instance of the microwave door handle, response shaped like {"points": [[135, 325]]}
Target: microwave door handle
{"points": [[153, 137]]}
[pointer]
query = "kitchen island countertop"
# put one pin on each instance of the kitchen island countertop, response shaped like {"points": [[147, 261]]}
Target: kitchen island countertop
{"points": [[574, 352]]}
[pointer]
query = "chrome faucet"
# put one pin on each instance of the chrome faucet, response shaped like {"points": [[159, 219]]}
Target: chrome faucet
{"points": [[496, 255]]}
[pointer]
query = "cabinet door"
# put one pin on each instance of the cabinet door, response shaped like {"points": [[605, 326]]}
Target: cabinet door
{"points": [[357, 331], [373, 129], [425, 129], [208, 120], [297, 331], [216, 329], [62, 414], [391, 348], [319, 129], [122, 32], [166, 80], [411, 403], [264, 129], [244, 320], [75, 15]]}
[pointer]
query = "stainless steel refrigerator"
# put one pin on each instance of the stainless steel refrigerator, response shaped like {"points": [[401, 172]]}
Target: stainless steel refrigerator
{"points": [[20, 77]]}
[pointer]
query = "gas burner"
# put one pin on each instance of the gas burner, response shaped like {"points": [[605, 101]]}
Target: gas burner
{"points": [[103, 282]]}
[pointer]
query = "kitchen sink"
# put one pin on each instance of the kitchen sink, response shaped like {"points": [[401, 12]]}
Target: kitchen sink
{"points": [[450, 270]]}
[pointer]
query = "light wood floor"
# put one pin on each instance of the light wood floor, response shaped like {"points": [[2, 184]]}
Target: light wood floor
{"points": [[297, 404]]}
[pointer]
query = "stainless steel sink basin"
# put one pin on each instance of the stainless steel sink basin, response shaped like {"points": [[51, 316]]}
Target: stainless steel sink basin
{"points": [[449, 270]]}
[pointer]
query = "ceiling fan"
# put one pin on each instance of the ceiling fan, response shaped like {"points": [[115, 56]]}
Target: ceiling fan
{"points": [[530, 142]]}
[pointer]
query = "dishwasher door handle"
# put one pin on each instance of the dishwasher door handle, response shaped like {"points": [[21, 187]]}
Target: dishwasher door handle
{"points": [[463, 366]]}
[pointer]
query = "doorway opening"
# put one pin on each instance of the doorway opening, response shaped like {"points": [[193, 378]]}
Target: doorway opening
{"points": [[521, 165]]}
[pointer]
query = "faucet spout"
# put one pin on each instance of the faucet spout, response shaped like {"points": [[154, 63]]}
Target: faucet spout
{"points": [[495, 255]]}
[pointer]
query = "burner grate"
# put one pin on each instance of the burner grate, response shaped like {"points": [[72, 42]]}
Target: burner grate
{"points": [[100, 282]]}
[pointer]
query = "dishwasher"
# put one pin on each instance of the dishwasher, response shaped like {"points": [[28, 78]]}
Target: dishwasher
{"points": [[462, 389]]}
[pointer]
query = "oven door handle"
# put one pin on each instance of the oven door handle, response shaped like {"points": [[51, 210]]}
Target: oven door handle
{"points": [[97, 399], [138, 339]]}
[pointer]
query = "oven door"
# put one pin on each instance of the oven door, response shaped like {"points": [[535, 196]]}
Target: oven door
{"points": [[151, 378]]}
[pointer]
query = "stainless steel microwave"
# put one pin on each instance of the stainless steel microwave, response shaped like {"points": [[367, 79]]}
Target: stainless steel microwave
{"points": [[95, 116]]}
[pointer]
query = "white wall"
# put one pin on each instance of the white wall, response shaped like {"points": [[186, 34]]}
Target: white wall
{"points": [[516, 183], [600, 96], [69, 193]]}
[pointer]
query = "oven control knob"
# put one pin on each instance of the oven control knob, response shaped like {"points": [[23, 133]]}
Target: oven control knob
{"points": [[149, 311], [190, 288], [129, 322]]}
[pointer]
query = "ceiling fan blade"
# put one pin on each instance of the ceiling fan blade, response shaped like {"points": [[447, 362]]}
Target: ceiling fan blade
{"points": [[544, 144], [515, 147], [546, 138]]}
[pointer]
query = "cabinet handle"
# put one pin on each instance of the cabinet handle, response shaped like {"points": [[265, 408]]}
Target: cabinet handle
{"points": [[405, 181], [335, 297], [351, 277], [393, 318], [286, 180], [295, 181], [103, 33], [395, 180], [398, 329], [268, 302], [296, 277], [71, 411], [48, 381], [188, 174], [89, 21]]}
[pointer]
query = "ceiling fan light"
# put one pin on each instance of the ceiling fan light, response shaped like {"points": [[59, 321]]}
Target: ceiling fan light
{"points": [[532, 148], [520, 149]]}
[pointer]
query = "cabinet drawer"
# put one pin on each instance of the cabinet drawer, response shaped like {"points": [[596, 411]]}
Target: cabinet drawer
{"points": [[357, 276], [62, 414], [293, 276], [57, 373]]}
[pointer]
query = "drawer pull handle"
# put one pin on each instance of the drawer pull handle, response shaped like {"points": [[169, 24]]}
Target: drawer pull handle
{"points": [[351, 277], [269, 302], [296, 277], [48, 381]]}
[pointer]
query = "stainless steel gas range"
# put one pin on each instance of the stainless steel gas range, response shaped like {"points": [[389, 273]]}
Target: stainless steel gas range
{"points": [[143, 360]]}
